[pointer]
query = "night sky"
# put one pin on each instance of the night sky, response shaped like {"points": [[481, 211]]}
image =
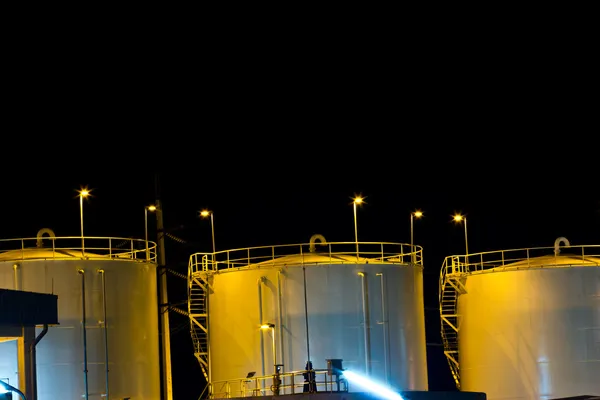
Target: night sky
{"points": [[287, 198]]}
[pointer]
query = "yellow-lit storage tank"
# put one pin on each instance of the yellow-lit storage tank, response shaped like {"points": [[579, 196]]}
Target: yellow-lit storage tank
{"points": [[524, 324], [361, 303], [114, 337]]}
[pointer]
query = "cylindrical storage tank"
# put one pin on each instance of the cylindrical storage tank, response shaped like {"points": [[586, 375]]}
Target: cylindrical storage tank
{"points": [[327, 304], [530, 327], [114, 337]]}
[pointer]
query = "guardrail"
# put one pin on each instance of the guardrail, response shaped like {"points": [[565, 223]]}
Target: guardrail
{"points": [[328, 253], [522, 258], [291, 382], [88, 247]]}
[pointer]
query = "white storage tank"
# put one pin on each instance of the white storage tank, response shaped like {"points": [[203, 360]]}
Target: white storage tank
{"points": [[114, 337], [361, 304], [528, 321]]}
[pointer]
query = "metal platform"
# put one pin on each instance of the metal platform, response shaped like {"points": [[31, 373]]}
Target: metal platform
{"points": [[414, 395]]}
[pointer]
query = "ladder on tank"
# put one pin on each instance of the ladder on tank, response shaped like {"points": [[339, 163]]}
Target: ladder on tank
{"points": [[451, 288], [198, 311]]}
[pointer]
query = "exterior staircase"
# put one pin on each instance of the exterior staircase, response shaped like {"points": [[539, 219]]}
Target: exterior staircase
{"points": [[199, 287], [451, 287]]}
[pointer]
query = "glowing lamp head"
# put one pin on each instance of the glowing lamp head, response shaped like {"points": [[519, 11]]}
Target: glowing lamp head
{"points": [[418, 214], [358, 200], [204, 213], [151, 208], [458, 218], [84, 193]]}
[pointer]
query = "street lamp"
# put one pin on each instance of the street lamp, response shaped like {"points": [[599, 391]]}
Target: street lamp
{"points": [[417, 214], [272, 328], [358, 200], [146, 209], [205, 214], [461, 218], [83, 192]]}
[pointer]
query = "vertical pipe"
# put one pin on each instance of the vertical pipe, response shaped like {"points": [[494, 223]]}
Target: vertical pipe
{"points": [[81, 220], [384, 322], [16, 276], [306, 315], [280, 312], [355, 231], [412, 243], [163, 307], [261, 322], [101, 271], [466, 244], [83, 326], [212, 228], [367, 323], [146, 230]]}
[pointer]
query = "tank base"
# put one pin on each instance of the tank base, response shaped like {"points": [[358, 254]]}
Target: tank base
{"points": [[409, 395]]}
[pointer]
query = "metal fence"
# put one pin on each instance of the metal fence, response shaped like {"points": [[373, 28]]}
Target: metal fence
{"points": [[88, 247], [290, 383], [309, 254]]}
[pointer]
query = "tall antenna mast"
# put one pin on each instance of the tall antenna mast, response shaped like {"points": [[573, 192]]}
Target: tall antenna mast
{"points": [[163, 306]]}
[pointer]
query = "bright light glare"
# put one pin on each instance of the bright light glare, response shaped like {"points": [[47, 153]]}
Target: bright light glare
{"points": [[2, 388], [418, 214], [458, 218], [84, 193], [151, 208], [371, 386], [267, 326], [358, 200], [204, 213]]}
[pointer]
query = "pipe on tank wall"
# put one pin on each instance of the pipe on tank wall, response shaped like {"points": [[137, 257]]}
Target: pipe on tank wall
{"points": [[105, 323], [33, 361], [280, 315], [306, 315], [367, 322], [16, 276], [384, 326], [261, 322], [84, 332]]}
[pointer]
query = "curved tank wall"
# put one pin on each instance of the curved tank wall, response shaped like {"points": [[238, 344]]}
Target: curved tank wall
{"points": [[243, 299], [132, 325], [529, 332]]}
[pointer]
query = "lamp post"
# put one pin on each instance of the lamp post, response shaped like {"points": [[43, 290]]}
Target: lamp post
{"points": [[358, 200], [82, 193], [146, 209], [461, 218], [205, 214], [417, 214]]}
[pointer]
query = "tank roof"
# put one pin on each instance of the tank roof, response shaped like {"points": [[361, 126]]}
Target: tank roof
{"points": [[563, 260], [315, 258], [43, 253]]}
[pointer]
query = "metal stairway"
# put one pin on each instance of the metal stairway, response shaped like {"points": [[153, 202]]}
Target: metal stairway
{"points": [[198, 312], [451, 288]]}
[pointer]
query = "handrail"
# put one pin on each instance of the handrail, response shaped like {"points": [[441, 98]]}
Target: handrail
{"points": [[291, 382], [332, 252], [521, 259], [69, 247]]}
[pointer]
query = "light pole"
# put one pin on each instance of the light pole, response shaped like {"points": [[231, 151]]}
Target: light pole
{"points": [[272, 328], [146, 209], [417, 214], [461, 218], [82, 193], [358, 200], [205, 214]]}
